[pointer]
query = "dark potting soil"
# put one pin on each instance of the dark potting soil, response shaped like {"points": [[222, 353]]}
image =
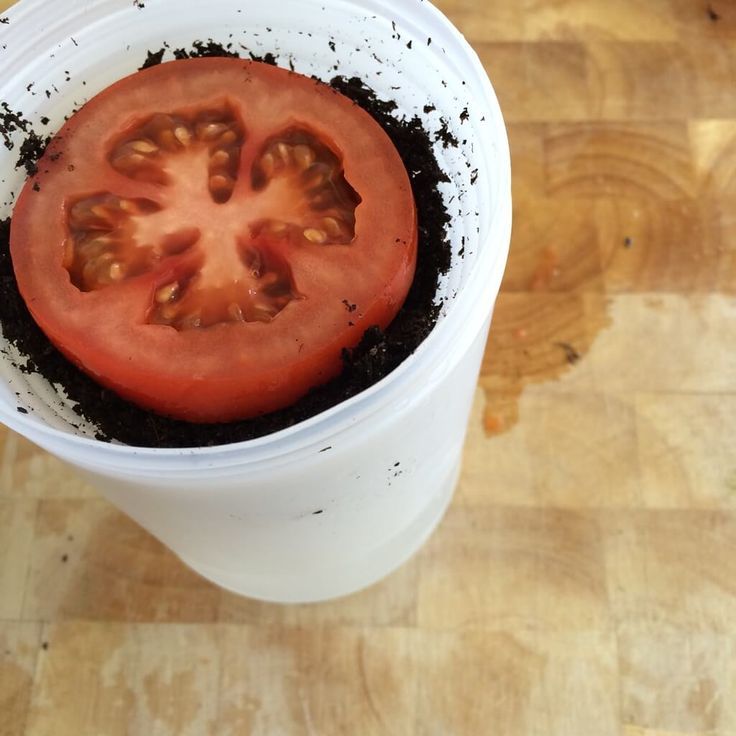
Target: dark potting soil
{"points": [[378, 353]]}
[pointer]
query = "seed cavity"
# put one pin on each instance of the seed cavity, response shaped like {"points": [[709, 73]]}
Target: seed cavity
{"points": [[316, 176], [97, 251], [143, 153]]}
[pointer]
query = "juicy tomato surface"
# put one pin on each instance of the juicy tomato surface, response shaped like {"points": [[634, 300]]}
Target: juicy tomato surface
{"points": [[205, 237]]}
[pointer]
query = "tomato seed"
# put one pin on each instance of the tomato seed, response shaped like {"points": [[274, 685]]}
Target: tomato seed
{"points": [[116, 271], [304, 156], [142, 146], [264, 313], [228, 138], [316, 176], [332, 226], [315, 236], [167, 293], [98, 244], [129, 161], [283, 152], [168, 312], [276, 227], [210, 131], [220, 158], [97, 269], [129, 206], [219, 182], [183, 135], [101, 211]]}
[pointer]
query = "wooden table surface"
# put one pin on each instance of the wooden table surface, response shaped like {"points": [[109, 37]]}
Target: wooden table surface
{"points": [[583, 582]]}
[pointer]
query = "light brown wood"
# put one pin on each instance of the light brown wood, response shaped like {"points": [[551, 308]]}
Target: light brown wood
{"points": [[584, 581]]}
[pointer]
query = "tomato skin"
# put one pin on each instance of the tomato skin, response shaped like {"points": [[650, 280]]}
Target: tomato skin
{"points": [[226, 371]]}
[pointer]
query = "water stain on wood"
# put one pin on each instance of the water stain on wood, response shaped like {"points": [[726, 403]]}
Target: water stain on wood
{"points": [[524, 347]]}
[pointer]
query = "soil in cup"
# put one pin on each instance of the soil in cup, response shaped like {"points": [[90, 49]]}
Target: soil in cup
{"points": [[378, 353]]}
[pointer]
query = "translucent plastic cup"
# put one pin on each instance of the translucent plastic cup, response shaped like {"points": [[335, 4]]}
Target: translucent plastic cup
{"points": [[335, 503]]}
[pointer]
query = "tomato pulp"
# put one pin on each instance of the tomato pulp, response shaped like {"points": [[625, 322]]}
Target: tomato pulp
{"points": [[205, 237]]}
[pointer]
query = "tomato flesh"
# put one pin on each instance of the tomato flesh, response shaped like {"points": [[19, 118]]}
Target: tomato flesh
{"points": [[196, 230]]}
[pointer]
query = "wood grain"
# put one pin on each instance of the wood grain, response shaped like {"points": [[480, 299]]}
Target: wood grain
{"points": [[584, 581]]}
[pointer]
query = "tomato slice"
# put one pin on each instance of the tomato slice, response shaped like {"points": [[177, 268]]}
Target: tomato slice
{"points": [[205, 237]]}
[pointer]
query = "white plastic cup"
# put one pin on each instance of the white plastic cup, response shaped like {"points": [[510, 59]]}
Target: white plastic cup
{"points": [[334, 503]]}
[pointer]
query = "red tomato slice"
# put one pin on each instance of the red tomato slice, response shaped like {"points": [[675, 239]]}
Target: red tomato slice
{"points": [[206, 236]]}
